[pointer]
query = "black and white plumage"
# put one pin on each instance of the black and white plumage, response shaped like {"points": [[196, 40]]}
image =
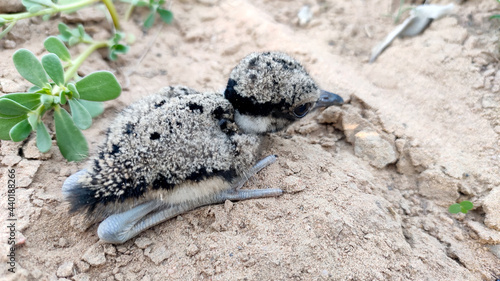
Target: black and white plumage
{"points": [[180, 149]]}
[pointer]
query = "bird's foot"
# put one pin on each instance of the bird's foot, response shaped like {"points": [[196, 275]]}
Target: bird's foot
{"points": [[254, 170], [121, 227]]}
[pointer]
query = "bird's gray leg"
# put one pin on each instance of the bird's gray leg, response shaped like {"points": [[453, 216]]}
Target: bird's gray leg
{"points": [[254, 170], [119, 228]]}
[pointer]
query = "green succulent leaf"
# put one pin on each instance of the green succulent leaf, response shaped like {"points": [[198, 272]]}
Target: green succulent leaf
{"points": [[33, 120], [20, 131], [98, 86], [9, 107], [95, 108], [118, 36], [66, 2], [52, 65], [150, 19], [65, 32], [121, 49], [81, 31], [81, 116], [466, 205], [455, 209], [56, 46], [43, 140], [34, 89], [47, 100], [70, 139], [29, 100], [166, 15], [73, 36], [6, 125], [44, 3], [73, 90], [30, 67], [117, 49], [73, 41], [62, 97], [34, 6]]}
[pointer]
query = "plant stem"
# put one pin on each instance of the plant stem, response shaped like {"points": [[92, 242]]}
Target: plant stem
{"points": [[112, 12], [81, 58], [7, 29], [53, 10], [129, 12], [61, 8]]}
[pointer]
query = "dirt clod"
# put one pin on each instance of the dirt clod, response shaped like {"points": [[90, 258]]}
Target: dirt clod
{"points": [[371, 147], [65, 269], [27, 170], [143, 242], [435, 185], [491, 206], [192, 250], [157, 254], [95, 255], [11, 6]]}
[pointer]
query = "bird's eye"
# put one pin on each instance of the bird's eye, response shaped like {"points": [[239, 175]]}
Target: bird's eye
{"points": [[301, 110]]}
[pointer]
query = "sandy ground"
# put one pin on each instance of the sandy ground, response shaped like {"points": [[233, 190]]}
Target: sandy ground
{"points": [[367, 185]]}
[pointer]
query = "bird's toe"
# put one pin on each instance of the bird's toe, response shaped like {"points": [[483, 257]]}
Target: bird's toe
{"points": [[72, 182]]}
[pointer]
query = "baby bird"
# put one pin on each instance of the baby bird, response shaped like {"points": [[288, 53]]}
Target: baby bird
{"points": [[181, 149]]}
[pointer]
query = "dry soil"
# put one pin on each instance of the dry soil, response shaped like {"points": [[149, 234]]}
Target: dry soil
{"points": [[367, 185]]}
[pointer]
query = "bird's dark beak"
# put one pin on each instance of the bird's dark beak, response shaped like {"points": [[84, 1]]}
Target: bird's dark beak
{"points": [[327, 99]]}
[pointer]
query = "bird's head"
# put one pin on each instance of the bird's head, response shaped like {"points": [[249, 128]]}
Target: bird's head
{"points": [[271, 90]]}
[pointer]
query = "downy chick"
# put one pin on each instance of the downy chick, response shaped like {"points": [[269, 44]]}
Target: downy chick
{"points": [[181, 149]]}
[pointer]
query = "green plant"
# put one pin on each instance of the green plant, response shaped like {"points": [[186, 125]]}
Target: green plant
{"points": [[21, 113], [47, 8], [155, 7], [78, 35], [463, 207], [56, 85]]}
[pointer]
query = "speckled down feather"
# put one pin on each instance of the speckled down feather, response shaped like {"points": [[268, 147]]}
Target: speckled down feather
{"points": [[273, 78], [161, 141]]}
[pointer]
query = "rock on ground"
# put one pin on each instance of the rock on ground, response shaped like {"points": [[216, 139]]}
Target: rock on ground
{"points": [[369, 146], [491, 206], [95, 255]]}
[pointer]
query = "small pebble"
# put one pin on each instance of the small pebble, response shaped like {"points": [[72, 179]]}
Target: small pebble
{"points": [[157, 254], [95, 255], [11, 160], [65, 269], [82, 266], [109, 249], [27, 170], [63, 242], [143, 242], [228, 205], [192, 250]]}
